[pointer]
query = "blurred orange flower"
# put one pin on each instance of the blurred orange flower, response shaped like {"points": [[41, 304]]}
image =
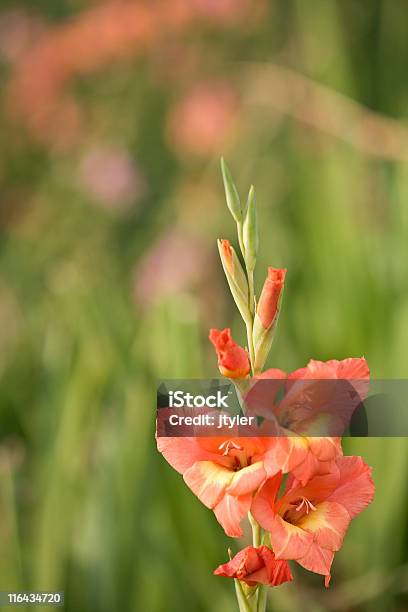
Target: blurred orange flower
{"points": [[111, 31]]}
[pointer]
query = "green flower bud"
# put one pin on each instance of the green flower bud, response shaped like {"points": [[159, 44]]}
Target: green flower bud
{"points": [[231, 193], [235, 276], [250, 231]]}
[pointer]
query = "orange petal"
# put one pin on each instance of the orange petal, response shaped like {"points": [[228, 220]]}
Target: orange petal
{"points": [[208, 481], [285, 454], [183, 452], [325, 448], [263, 505], [275, 571], [352, 368], [289, 541], [307, 469], [245, 562], [247, 480], [319, 560], [356, 488], [349, 369], [318, 489], [328, 524], [230, 511]]}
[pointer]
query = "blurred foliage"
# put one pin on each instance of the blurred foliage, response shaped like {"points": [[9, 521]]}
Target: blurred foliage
{"points": [[114, 116]]}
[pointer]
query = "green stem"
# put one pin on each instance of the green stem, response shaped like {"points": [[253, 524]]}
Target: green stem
{"points": [[249, 329], [250, 324], [243, 603], [251, 301], [257, 540], [240, 230], [262, 594], [256, 531], [254, 601], [251, 293]]}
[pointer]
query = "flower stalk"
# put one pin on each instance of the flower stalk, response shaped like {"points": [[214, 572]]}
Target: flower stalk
{"points": [[256, 531], [243, 603], [305, 517], [241, 284]]}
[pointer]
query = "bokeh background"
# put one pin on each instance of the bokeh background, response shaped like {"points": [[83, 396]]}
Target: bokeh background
{"points": [[114, 115]]}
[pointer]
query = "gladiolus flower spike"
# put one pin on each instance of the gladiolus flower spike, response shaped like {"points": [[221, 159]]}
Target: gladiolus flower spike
{"points": [[304, 521]]}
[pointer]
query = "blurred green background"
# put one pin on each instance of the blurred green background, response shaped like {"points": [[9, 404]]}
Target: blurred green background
{"points": [[114, 115]]}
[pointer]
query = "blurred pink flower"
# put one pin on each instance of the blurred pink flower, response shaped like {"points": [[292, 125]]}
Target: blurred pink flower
{"points": [[111, 178], [202, 121], [173, 263]]}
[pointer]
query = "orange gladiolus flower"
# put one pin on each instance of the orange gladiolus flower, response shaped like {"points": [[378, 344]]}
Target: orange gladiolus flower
{"points": [[233, 360], [312, 395], [223, 472], [256, 566], [269, 301], [308, 522]]}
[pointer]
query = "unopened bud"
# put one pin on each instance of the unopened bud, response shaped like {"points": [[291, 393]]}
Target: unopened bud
{"points": [[233, 360], [250, 231], [235, 276], [267, 315], [231, 193]]}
